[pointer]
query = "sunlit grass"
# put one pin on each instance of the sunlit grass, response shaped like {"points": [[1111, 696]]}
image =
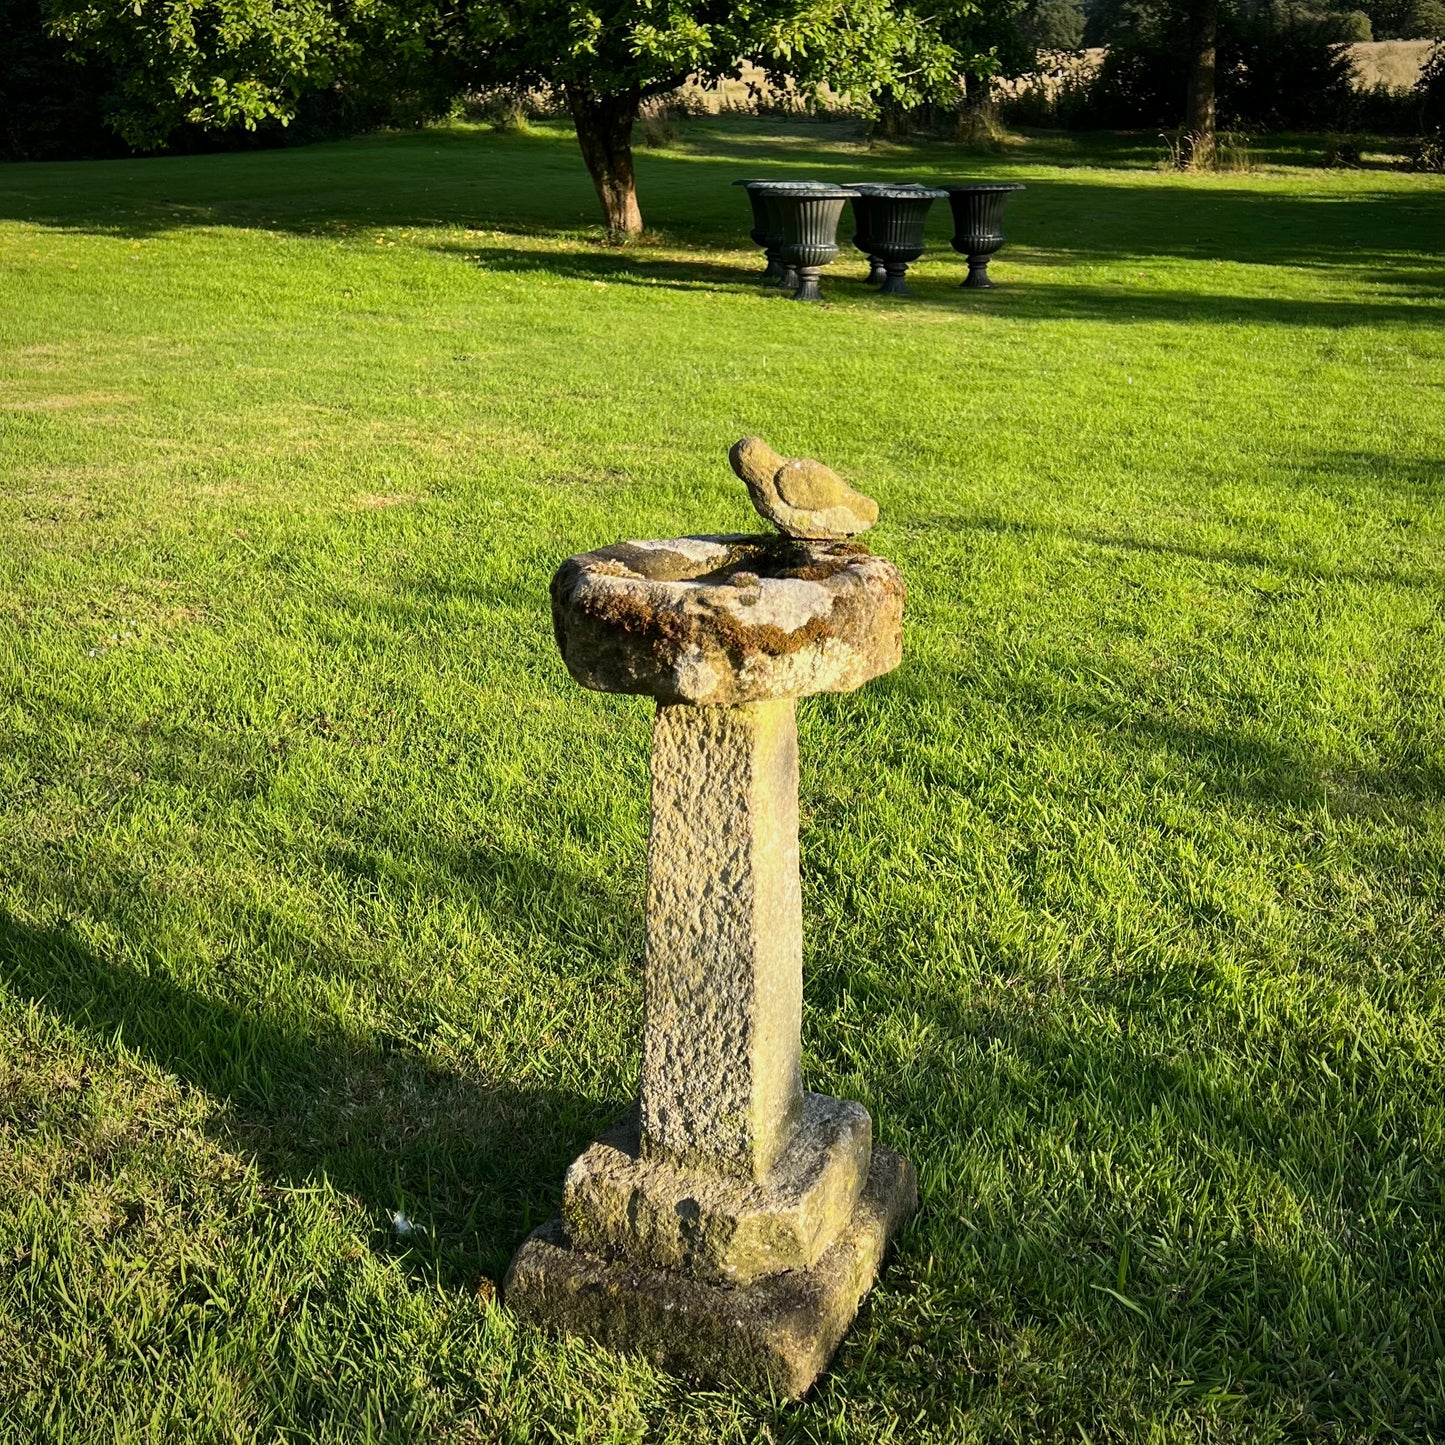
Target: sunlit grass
{"points": [[320, 884]]}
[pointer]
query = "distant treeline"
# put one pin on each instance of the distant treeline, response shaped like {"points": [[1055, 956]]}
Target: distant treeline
{"points": [[58, 102], [1280, 66]]}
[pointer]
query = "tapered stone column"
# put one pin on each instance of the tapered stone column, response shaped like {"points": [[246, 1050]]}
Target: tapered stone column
{"points": [[723, 978], [730, 1224]]}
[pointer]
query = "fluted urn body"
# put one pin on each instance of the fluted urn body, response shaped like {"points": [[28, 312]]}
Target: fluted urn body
{"points": [[862, 236], [767, 230], [978, 225], [810, 216], [888, 228]]}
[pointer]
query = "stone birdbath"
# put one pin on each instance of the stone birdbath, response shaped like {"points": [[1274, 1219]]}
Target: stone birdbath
{"points": [[730, 1224]]}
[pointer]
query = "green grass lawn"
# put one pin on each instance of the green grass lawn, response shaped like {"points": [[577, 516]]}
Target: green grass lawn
{"points": [[320, 882]]}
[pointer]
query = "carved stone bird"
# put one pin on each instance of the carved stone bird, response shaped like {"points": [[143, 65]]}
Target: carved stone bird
{"points": [[801, 498]]}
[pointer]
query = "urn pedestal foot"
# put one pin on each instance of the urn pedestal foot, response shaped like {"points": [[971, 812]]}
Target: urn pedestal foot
{"points": [[894, 284], [977, 278], [808, 287]]}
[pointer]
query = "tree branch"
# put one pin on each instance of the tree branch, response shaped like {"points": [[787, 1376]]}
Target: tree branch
{"points": [[661, 87]]}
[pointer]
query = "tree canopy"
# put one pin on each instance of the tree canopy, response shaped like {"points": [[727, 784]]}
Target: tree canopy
{"points": [[220, 64], [216, 64]]}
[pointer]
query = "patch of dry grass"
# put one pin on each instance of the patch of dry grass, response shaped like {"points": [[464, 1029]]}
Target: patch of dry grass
{"points": [[1395, 64]]}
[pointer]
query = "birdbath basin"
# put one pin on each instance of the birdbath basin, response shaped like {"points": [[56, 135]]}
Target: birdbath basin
{"points": [[729, 1225], [726, 620]]}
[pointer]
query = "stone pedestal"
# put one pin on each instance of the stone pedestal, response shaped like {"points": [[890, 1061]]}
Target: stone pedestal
{"points": [[731, 1223], [723, 979]]}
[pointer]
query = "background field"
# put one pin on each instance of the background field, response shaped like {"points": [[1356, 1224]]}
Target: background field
{"points": [[1395, 63], [320, 883]]}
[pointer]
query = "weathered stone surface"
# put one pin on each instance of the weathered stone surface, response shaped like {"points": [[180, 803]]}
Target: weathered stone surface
{"points": [[800, 497], [719, 621], [712, 1226], [777, 1334], [723, 968], [722, 1230]]}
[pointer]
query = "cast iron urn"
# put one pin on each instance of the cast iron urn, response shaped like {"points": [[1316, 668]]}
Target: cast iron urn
{"points": [[767, 229], [889, 223], [877, 274], [978, 224], [810, 231], [759, 235]]}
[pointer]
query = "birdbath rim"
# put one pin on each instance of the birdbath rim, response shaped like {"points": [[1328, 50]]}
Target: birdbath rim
{"points": [[727, 619]]}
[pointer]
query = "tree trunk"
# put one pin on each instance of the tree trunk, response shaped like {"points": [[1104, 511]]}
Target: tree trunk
{"points": [[894, 121], [1199, 107], [604, 131]]}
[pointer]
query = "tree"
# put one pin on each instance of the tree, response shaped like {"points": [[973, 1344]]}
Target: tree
{"points": [[1271, 65], [1357, 27], [987, 39], [1054, 25], [608, 56], [1425, 20], [214, 64], [1199, 105], [222, 64], [52, 106]]}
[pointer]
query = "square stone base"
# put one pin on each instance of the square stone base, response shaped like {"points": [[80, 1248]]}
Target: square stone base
{"points": [[777, 1333], [620, 1204]]}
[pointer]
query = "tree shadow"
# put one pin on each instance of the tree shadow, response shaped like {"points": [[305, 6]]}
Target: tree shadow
{"points": [[1424, 475], [1138, 1101], [1026, 299], [507, 190], [1233, 764], [609, 267], [1357, 231], [1170, 1134], [1124, 709]]}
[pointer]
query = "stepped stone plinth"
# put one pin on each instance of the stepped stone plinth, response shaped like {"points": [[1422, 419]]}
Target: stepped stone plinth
{"points": [[730, 1224]]}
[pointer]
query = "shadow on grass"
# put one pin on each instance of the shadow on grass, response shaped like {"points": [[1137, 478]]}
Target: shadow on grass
{"points": [[1174, 1135], [1031, 300], [993, 1285], [535, 185], [1416, 302], [1428, 476], [612, 267], [478, 1162], [1125, 1077], [1236, 765]]}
